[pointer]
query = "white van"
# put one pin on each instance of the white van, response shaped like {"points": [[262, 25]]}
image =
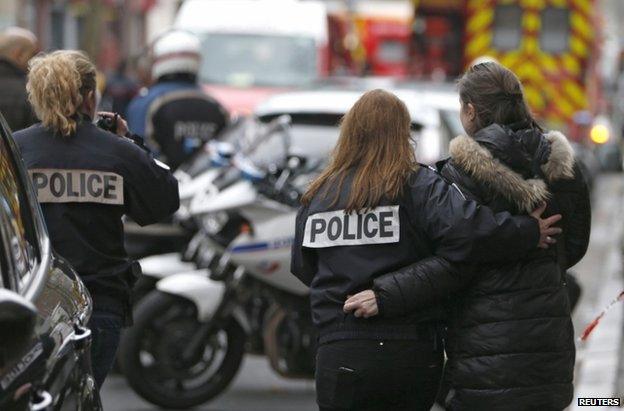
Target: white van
{"points": [[254, 48]]}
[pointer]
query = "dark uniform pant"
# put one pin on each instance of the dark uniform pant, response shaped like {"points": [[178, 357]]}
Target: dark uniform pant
{"points": [[373, 375], [106, 333]]}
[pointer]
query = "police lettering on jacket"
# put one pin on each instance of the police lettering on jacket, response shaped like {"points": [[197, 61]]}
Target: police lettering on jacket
{"points": [[335, 228], [77, 186]]}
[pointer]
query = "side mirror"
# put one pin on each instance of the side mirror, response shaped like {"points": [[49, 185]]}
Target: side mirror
{"points": [[17, 325]]}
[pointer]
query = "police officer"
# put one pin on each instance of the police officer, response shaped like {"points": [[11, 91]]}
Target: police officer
{"points": [[175, 116], [374, 208], [86, 179]]}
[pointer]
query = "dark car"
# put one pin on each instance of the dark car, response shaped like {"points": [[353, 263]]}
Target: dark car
{"points": [[44, 307]]}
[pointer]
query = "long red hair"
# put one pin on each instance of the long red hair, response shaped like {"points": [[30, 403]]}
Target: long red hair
{"points": [[375, 145]]}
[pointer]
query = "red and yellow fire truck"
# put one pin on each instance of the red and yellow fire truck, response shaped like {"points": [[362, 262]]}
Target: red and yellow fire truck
{"points": [[372, 37], [552, 45]]}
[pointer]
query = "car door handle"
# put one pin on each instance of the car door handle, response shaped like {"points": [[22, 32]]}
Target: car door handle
{"points": [[81, 336], [45, 400]]}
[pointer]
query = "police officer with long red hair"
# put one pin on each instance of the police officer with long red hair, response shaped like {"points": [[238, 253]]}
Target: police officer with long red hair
{"points": [[375, 209]]}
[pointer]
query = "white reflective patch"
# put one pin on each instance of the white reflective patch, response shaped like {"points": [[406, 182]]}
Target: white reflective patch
{"points": [[161, 164], [458, 190], [77, 186], [193, 129], [335, 228]]}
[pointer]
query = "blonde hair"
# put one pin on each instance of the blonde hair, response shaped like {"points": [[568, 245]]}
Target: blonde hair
{"points": [[57, 84], [374, 144]]}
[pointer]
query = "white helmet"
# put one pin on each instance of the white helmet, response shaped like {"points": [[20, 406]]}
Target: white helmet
{"points": [[175, 52]]}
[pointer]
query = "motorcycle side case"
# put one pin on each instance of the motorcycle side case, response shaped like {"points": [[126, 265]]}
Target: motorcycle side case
{"points": [[202, 291], [164, 265], [265, 254], [238, 195]]}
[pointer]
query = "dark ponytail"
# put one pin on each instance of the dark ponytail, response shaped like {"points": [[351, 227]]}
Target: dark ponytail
{"points": [[496, 94]]}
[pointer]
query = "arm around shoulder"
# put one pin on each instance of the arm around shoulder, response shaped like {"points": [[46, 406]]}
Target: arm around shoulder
{"points": [[419, 285], [462, 230]]}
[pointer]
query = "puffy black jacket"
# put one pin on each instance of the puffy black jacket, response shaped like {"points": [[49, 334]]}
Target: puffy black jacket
{"points": [[85, 183], [14, 103], [510, 338], [337, 254]]}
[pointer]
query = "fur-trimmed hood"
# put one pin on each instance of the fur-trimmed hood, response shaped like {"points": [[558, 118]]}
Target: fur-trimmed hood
{"points": [[526, 193]]}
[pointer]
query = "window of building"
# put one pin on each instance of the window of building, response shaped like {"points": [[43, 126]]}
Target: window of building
{"points": [[392, 51], [57, 27]]}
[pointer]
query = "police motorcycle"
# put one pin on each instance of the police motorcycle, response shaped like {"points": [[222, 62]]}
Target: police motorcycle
{"points": [[160, 250], [173, 235], [237, 295]]}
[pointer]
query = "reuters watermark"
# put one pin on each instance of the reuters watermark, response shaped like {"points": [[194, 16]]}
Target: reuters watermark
{"points": [[599, 402]]}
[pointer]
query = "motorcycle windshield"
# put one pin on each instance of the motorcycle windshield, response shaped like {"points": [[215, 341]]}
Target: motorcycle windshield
{"points": [[218, 153]]}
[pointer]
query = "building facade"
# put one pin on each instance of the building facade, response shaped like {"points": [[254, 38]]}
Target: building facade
{"points": [[108, 30]]}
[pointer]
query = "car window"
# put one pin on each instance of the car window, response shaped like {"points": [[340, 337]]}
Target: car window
{"points": [[507, 27], [555, 31], [19, 234], [4, 252]]}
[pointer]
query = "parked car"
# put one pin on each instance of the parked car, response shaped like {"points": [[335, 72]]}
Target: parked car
{"points": [[316, 115], [44, 307]]}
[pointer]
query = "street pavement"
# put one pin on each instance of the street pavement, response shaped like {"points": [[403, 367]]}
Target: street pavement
{"points": [[255, 388], [599, 359], [599, 368]]}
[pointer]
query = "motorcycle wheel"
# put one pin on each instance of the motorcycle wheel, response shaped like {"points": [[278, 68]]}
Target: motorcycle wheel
{"points": [[150, 354]]}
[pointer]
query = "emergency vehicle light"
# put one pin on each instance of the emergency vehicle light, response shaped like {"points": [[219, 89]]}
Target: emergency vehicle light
{"points": [[599, 134]]}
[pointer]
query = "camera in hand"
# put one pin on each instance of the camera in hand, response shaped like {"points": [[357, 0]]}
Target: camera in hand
{"points": [[107, 123]]}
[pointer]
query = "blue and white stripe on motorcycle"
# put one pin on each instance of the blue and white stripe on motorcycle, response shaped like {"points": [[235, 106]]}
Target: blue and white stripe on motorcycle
{"points": [[251, 247]]}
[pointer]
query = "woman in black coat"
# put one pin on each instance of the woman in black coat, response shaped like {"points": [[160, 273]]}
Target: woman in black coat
{"points": [[510, 343]]}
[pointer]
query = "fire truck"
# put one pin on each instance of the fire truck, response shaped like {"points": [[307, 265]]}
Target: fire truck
{"points": [[552, 45], [370, 37]]}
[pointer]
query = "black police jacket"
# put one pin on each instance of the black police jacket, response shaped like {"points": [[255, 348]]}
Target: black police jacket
{"points": [[337, 254], [181, 117], [510, 338], [85, 183]]}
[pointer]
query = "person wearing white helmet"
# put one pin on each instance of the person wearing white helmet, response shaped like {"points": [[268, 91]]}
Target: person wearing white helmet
{"points": [[175, 116]]}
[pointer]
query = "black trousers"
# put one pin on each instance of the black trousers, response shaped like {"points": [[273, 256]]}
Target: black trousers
{"points": [[106, 333], [373, 375]]}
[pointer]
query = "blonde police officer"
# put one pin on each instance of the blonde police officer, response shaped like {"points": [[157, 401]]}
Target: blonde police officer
{"points": [[86, 179]]}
